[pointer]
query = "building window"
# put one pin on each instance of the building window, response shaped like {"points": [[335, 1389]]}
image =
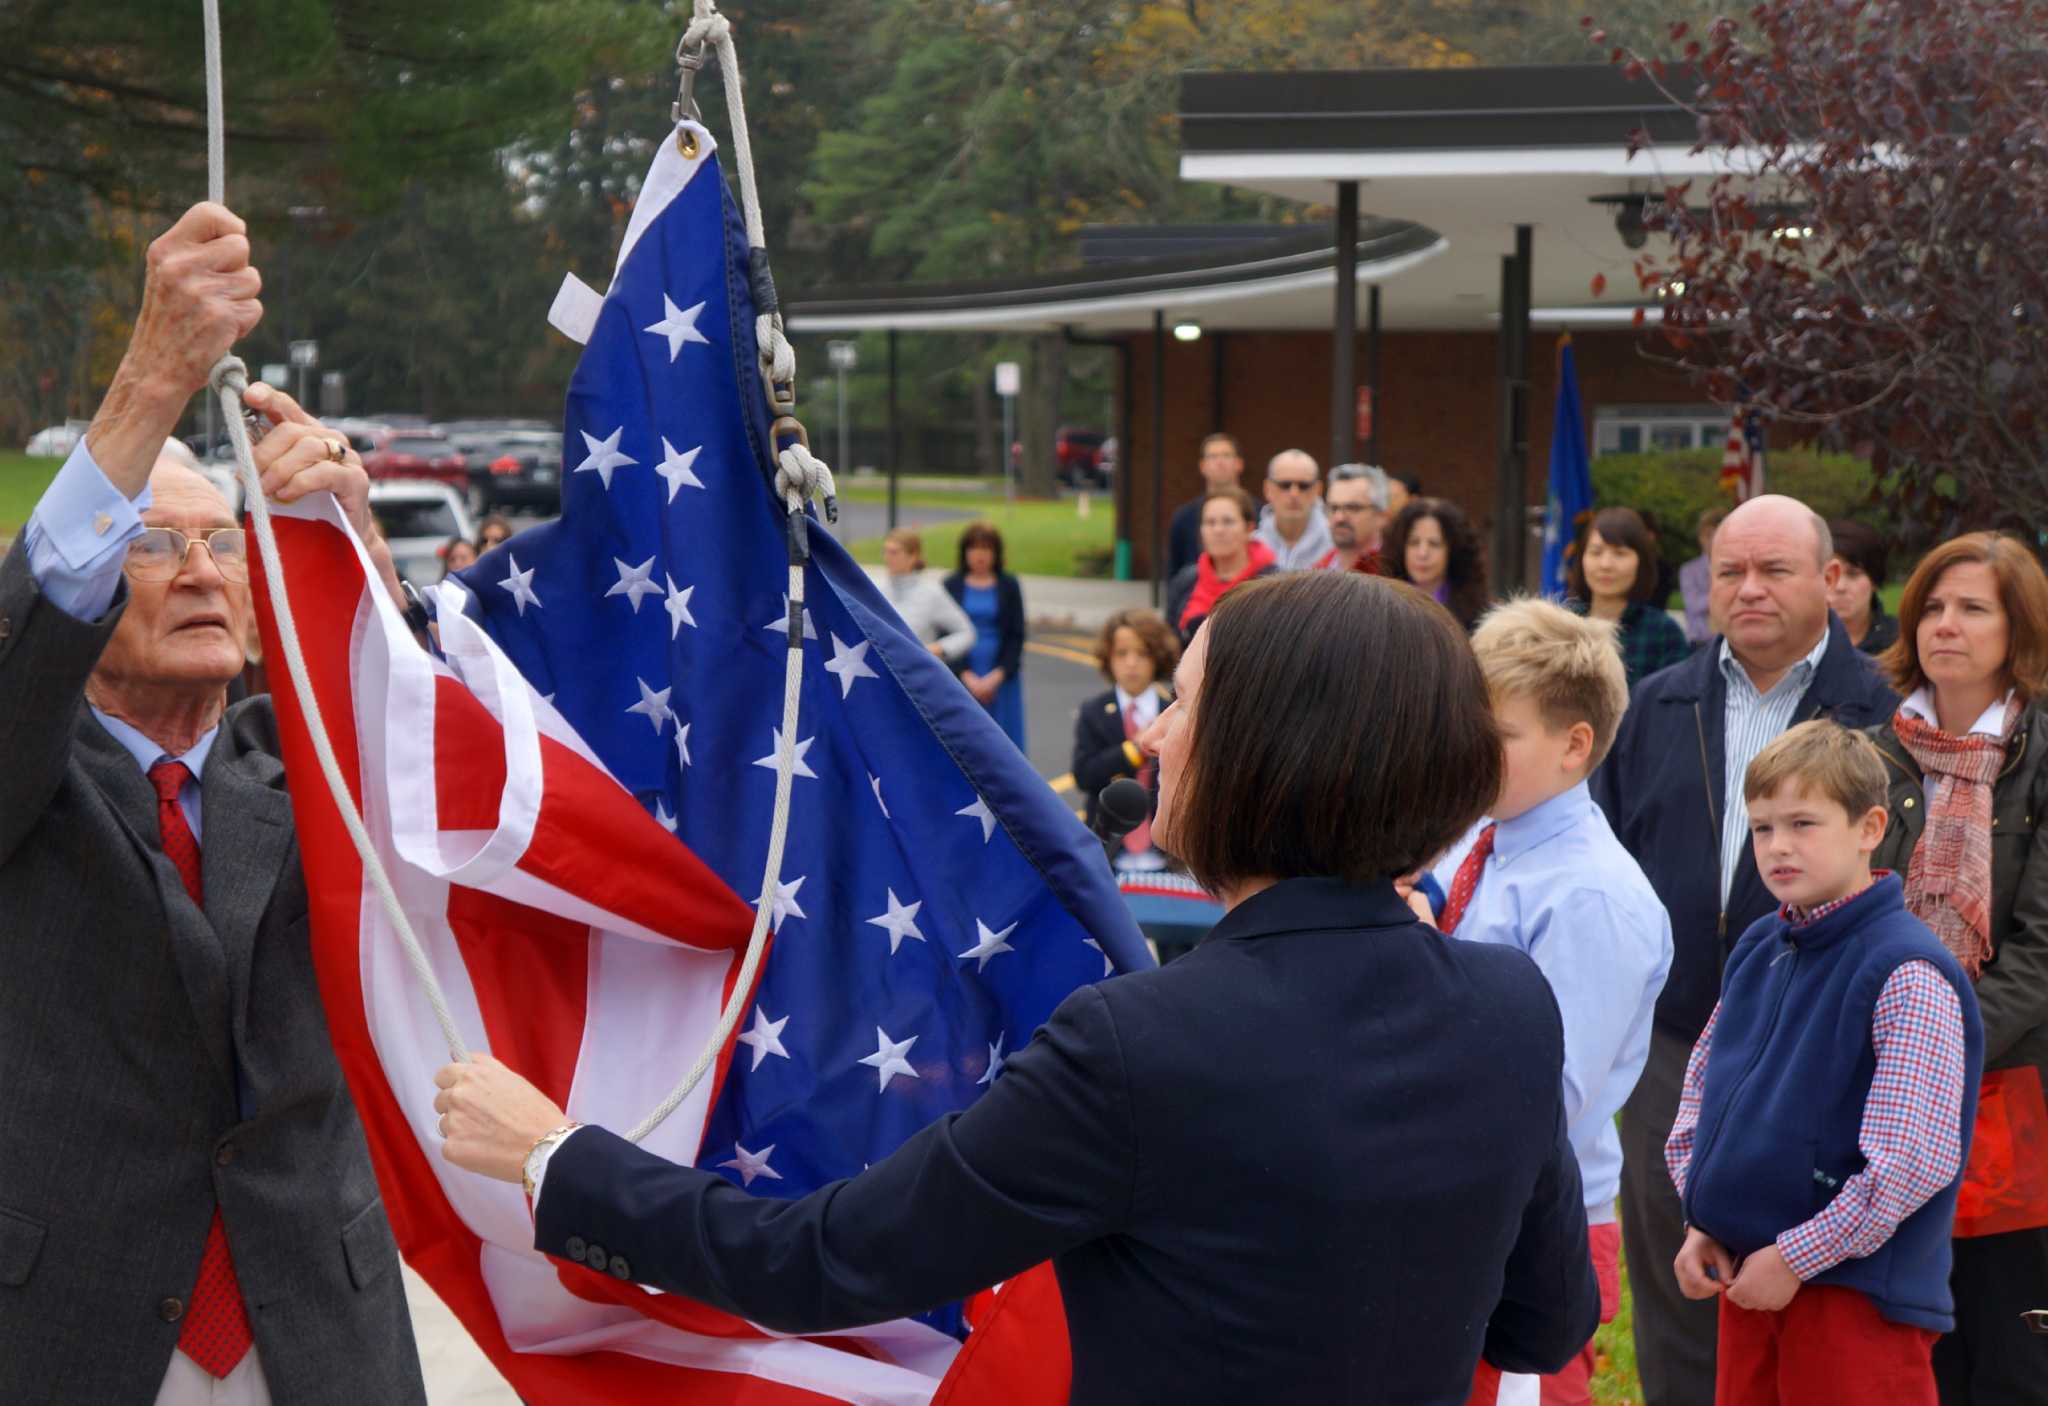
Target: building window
{"points": [[1639, 429]]}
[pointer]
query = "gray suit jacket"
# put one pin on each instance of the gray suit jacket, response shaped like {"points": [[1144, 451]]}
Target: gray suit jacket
{"points": [[125, 1015]]}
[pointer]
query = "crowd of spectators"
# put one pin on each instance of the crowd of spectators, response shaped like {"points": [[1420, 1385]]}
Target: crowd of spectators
{"points": [[1783, 621]]}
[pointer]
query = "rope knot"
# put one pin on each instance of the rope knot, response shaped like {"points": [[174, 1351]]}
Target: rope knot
{"points": [[713, 29], [230, 373], [807, 476]]}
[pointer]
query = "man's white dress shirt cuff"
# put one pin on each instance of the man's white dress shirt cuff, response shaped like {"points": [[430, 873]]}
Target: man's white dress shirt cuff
{"points": [[78, 536]]}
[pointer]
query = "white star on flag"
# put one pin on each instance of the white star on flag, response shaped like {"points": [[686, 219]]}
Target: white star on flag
{"points": [[876, 783], [888, 1057], [635, 582], [675, 469], [683, 744], [781, 623], [678, 607], [604, 455], [991, 945], [995, 1061], [849, 664], [802, 767], [782, 903], [653, 704], [980, 811], [1107, 965], [679, 325], [899, 922], [520, 584], [766, 1038], [662, 817], [752, 1164]]}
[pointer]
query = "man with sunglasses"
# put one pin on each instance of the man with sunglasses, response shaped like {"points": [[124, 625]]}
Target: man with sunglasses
{"points": [[187, 1210], [1293, 523]]}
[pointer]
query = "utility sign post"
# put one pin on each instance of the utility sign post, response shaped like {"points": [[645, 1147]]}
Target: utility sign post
{"points": [[1009, 381], [304, 357], [844, 356]]}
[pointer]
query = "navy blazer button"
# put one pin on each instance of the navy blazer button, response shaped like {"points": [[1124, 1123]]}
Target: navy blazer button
{"points": [[595, 1257], [171, 1310], [618, 1268], [575, 1247]]}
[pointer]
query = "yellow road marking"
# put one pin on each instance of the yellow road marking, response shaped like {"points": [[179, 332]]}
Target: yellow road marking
{"points": [[1057, 652]]}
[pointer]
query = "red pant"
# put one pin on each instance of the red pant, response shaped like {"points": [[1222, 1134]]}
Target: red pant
{"points": [[1828, 1347], [1572, 1386]]}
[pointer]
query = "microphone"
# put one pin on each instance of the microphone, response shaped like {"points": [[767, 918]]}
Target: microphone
{"points": [[1121, 807]]}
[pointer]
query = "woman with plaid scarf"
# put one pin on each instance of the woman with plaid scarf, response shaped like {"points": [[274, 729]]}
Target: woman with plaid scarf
{"points": [[1968, 752]]}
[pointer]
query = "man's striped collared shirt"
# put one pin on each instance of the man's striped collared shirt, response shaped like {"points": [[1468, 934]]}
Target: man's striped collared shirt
{"points": [[1750, 721]]}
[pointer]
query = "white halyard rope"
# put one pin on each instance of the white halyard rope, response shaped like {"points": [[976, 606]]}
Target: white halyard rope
{"points": [[771, 878], [230, 379], [707, 26], [800, 477]]}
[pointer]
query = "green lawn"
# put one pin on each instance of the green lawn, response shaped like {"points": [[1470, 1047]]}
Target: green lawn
{"points": [[1614, 1372], [1040, 537], [22, 481]]}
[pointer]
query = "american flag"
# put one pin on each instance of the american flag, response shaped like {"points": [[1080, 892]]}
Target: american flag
{"points": [[1742, 458], [574, 802]]}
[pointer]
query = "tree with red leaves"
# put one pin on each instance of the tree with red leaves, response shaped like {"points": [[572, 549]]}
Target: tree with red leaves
{"points": [[1873, 263]]}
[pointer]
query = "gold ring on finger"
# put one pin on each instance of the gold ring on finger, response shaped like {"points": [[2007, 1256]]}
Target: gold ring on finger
{"points": [[336, 450]]}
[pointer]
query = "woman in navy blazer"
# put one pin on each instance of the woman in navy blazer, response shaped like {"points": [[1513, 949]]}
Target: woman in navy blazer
{"points": [[1320, 1159]]}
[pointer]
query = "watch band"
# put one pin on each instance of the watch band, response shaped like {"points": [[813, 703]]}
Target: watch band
{"points": [[537, 1155]]}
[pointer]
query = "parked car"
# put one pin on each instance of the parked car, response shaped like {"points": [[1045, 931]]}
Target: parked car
{"points": [[517, 469], [467, 435], [56, 442], [417, 518], [1077, 453], [403, 453]]}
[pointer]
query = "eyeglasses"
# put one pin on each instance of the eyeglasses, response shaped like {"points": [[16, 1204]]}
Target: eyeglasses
{"points": [[159, 553], [1292, 485]]}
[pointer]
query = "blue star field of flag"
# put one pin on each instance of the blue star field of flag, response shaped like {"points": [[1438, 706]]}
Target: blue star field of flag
{"points": [[936, 901]]}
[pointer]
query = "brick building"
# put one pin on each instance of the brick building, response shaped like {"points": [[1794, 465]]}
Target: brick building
{"points": [[1474, 211]]}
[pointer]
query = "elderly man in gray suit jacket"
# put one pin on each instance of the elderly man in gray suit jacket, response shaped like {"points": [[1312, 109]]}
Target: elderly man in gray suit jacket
{"points": [[187, 1210]]}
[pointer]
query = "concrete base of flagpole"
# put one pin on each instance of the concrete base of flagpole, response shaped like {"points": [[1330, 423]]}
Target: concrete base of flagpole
{"points": [[456, 1371]]}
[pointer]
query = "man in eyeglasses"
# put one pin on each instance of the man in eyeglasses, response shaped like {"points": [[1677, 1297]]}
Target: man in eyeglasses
{"points": [[1357, 507], [1293, 523], [187, 1210]]}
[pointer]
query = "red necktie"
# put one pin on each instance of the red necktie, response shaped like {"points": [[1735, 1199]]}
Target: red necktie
{"points": [[1140, 839], [216, 1331], [1467, 881]]}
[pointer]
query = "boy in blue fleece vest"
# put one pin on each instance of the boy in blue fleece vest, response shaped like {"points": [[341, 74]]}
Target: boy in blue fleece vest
{"points": [[1826, 1111]]}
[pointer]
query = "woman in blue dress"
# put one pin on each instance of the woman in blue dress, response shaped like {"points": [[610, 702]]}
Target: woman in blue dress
{"points": [[995, 603]]}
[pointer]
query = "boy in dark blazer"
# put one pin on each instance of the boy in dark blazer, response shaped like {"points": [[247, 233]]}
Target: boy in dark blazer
{"points": [[1136, 652]]}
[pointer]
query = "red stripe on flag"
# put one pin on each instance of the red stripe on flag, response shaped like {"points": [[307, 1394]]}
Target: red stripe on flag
{"points": [[531, 974], [327, 585], [469, 760], [586, 843]]}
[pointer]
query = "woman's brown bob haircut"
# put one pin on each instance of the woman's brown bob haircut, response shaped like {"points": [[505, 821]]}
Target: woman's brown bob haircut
{"points": [[1341, 730], [981, 534], [2022, 590]]}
